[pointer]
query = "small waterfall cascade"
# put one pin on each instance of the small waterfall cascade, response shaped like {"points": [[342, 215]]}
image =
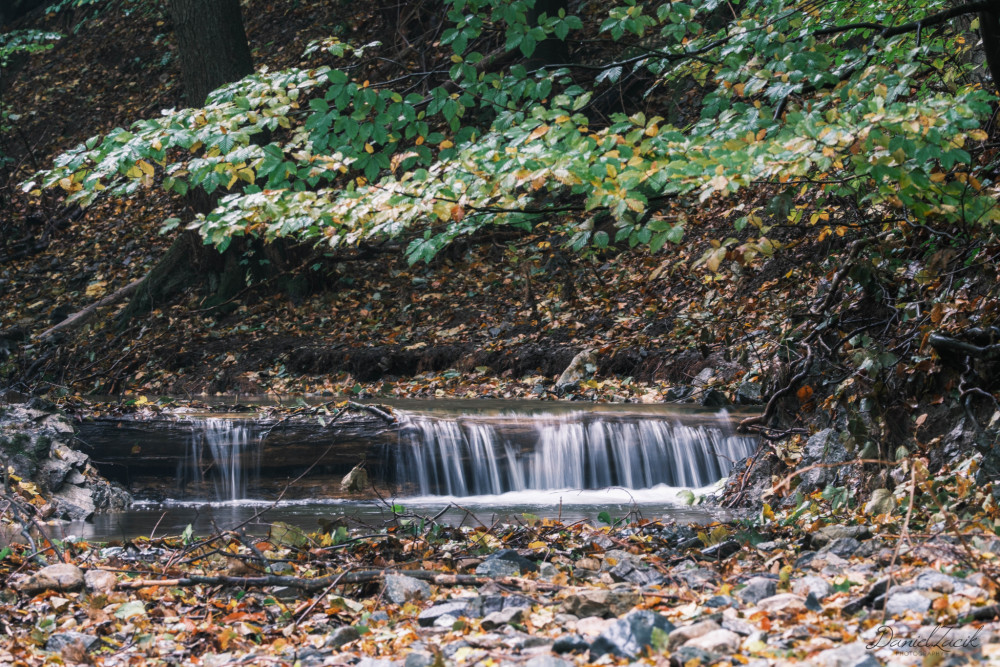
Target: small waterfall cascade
{"points": [[223, 455], [472, 456]]}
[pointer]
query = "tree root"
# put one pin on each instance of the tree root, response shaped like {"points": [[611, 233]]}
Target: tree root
{"points": [[81, 317]]}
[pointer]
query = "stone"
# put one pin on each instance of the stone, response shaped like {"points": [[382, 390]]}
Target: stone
{"points": [[591, 564], [686, 633], [418, 659], [577, 370], [58, 641], [713, 398], [717, 641], [757, 589], [592, 626], [547, 661], [100, 581], [511, 556], [692, 655], [628, 570], [402, 589], [828, 534], [378, 662], [738, 625], [446, 621], [823, 446], [720, 601], [356, 480], [818, 586], [455, 609], [59, 577], [842, 546], [570, 644], [498, 619], [629, 636], [931, 580], [497, 568], [749, 393], [547, 571], [881, 502], [600, 602], [341, 636], [52, 473], [848, 655], [721, 550], [76, 503], [898, 604], [783, 602]]}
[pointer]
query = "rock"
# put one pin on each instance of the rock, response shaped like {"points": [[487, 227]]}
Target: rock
{"points": [[782, 602], [822, 447], [898, 604], [547, 571], [932, 580], [842, 546], [356, 480], [584, 363], [713, 398], [418, 659], [692, 655], [717, 641], [749, 393], [497, 568], [547, 661], [501, 618], [378, 662], [570, 644], [52, 473], [738, 625], [59, 577], [591, 564], [881, 502], [511, 556], [402, 589], [447, 621], [341, 636], [628, 570], [849, 655], [720, 601], [75, 502], [58, 641], [600, 602], [757, 589], [686, 633], [721, 550], [828, 534], [455, 609], [703, 377], [100, 581], [818, 586], [628, 637], [592, 626], [812, 602]]}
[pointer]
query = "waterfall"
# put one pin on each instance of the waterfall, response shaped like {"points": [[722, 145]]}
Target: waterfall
{"points": [[222, 456], [472, 455]]}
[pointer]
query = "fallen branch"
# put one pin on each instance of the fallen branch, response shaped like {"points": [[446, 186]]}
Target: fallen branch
{"points": [[943, 343], [378, 412], [82, 316], [786, 482], [320, 583]]}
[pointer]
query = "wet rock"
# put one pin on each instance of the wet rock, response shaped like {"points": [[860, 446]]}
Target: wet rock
{"points": [[822, 447], [584, 363], [100, 581], [717, 641], [898, 604], [60, 640], [849, 655], [501, 618], [628, 637], [628, 570], [75, 502], [721, 550], [757, 589], [782, 603], [749, 393], [356, 480], [713, 398], [511, 556], [401, 589], [600, 602], [842, 546], [60, 577], [455, 609], [881, 502], [686, 633], [341, 636], [570, 644], [818, 586]]}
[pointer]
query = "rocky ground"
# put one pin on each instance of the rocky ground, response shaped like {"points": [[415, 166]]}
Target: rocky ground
{"points": [[820, 584]]}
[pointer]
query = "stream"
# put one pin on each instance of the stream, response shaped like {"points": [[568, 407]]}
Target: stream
{"points": [[461, 462]]}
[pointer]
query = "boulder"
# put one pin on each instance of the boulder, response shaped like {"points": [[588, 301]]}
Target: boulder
{"points": [[401, 589], [629, 636], [59, 577], [583, 364], [355, 481]]}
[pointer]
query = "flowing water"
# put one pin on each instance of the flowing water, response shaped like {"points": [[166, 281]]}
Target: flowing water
{"points": [[471, 461]]}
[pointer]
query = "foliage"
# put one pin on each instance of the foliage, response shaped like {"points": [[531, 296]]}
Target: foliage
{"points": [[814, 100]]}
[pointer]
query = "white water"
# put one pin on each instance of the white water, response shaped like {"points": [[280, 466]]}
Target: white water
{"points": [[223, 451], [473, 457]]}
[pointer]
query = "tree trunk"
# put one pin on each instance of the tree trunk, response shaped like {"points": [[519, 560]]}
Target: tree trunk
{"points": [[989, 30], [212, 44]]}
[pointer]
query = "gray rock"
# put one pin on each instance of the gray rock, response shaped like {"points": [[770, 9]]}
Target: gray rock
{"points": [[501, 618], [100, 581], [757, 589], [511, 556], [401, 589], [547, 571], [356, 480], [720, 601], [455, 609], [881, 502], [378, 662], [842, 546], [75, 502], [783, 602], [749, 393], [570, 644], [600, 602], [739, 626], [341, 636], [898, 604], [60, 640], [931, 580], [445, 621], [547, 661], [721, 550], [686, 633], [628, 570], [498, 568], [717, 641], [713, 398], [629, 636], [822, 447], [59, 577], [849, 655], [691, 655], [52, 473], [577, 370], [418, 659], [818, 586]]}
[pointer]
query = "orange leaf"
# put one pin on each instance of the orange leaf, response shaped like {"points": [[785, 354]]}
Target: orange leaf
{"points": [[804, 393]]}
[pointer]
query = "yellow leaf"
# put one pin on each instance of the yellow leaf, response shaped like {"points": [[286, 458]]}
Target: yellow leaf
{"points": [[538, 132], [369, 148], [145, 167], [767, 512], [538, 545], [446, 144]]}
